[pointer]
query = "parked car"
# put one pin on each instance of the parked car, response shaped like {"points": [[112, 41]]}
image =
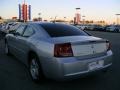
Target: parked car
{"points": [[3, 27], [58, 51], [9, 27], [99, 28], [85, 26], [81, 26], [2, 30], [113, 28], [13, 27], [0, 27]]}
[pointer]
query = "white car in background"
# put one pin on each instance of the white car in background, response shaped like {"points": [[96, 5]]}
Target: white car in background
{"points": [[6, 28], [113, 28], [81, 26]]}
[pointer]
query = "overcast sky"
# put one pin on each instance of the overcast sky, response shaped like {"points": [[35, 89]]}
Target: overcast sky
{"points": [[92, 9]]}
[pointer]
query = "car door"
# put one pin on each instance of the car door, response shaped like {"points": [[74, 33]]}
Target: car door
{"points": [[23, 44], [15, 41]]}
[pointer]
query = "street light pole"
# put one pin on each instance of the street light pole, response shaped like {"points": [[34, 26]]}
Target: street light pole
{"points": [[39, 16], [55, 19], [51, 19], [117, 18], [64, 19], [83, 19]]}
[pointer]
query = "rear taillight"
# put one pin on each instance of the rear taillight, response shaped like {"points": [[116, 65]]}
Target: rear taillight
{"points": [[63, 50], [108, 45]]}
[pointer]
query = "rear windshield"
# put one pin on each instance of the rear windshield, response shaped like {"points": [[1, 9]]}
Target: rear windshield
{"points": [[60, 30]]}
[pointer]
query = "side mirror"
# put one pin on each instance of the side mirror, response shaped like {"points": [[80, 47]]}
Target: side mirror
{"points": [[16, 33], [26, 36], [12, 32]]}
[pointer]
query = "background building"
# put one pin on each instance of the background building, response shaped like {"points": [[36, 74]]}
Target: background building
{"points": [[77, 17]]}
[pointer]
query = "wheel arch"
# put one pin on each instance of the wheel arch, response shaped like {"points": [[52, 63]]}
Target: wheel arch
{"points": [[30, 53]]}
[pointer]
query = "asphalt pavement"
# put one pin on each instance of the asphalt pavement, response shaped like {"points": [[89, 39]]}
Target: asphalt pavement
{"points": [[14, 74]]}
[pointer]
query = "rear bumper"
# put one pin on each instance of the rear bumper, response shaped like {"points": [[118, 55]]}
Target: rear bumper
{"points": [[71, 68], [84, 73]]}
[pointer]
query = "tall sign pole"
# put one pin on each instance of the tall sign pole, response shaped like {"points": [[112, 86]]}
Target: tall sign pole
{"points": [[19, 12], [24, 12], [29, 12]]}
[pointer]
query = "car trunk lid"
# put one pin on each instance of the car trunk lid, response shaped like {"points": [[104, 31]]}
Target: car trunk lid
{"points": [[84, 45]]}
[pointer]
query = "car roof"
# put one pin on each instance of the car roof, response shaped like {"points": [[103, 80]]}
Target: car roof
{"points": [[46, 23]]}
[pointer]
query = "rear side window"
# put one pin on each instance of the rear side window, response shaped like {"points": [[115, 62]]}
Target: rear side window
{"points": [[28, 32], [60, 30]]}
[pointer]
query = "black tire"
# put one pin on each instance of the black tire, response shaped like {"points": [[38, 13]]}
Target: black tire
{"points": [[117, 30], [7, 52], [35, 69]]}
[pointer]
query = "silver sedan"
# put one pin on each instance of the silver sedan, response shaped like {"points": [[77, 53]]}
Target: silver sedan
{"points": [[58, 51]]}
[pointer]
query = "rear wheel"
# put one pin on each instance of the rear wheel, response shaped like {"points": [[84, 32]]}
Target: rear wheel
{"points": [[116, 30], [35, 68]]}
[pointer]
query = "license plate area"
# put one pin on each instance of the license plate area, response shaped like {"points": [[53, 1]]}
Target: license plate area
{"points": [[95, 65]]}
